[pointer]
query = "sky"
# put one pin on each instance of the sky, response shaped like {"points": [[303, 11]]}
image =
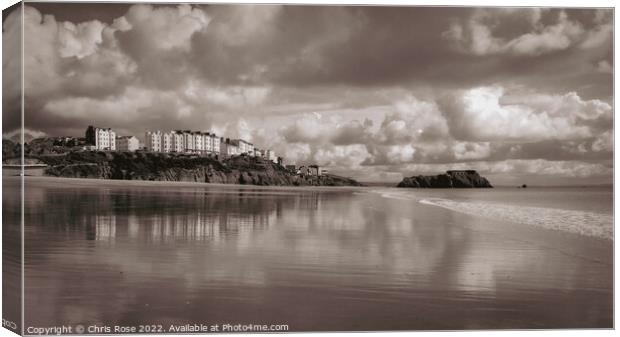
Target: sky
{"points": [[523, 95]]}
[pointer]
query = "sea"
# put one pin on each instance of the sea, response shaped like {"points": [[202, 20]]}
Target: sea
{"points": [[120, 253]]}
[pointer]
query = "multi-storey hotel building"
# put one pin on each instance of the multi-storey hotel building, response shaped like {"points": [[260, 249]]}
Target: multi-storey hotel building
{"points": [[179, 141], [127, 143], [101, 138], [153, 141], [245, 147], [183, 141]]}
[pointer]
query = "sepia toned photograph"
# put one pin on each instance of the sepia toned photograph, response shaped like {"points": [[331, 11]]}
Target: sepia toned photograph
{"points": [[173, 168]]}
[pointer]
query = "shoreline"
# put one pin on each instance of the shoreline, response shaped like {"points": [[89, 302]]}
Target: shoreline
{"points": [[370, 186], [154, 183]]}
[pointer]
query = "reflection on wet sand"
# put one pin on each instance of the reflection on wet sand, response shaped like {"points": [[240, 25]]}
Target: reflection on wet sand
{"points": [[316, 260], [11, 254]]}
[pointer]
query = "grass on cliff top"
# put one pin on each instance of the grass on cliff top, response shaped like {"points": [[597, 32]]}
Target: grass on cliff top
{"points": [[138, 161]]}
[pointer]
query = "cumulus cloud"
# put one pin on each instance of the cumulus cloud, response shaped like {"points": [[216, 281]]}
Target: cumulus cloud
{"points": [[341, 156], [118, 111], [366, 91], [79, 40], [297, 154], [471, 150], [604, 66], [546, 38], [238, 25], [602, 32], [308, 128], [41, 54], [162, 28], [487, 123], [11, 72], [479, 34], [159, 42], [485, 114], [413, 120], [390, 154], [490, 124], [603, 142], [353, 132], [412, 129]]}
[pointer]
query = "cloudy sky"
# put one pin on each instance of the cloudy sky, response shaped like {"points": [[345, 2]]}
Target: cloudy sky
{"points": [[522, 95]]}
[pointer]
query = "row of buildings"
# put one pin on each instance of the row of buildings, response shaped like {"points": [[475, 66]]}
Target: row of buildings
{"points": [[106, 139], [203, 143], [310, 170], [178, 141]]}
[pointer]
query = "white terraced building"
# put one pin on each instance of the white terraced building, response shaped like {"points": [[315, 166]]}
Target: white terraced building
{"points": [[270, 155], [183, 141], [199, 142], [213, 143], [153, 141], [234, 147], [166, 142], [228, 148], [189, 144], [127, 143], [173, 142], [245, 147], [101, 138], [205, 143]]}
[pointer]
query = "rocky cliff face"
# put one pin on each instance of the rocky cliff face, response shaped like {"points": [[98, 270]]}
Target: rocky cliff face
{"points": [[451, 179], [168, 167]]}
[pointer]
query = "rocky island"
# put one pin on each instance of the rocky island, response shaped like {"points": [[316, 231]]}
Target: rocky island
{"points": [[242, 169], [451, 179]]}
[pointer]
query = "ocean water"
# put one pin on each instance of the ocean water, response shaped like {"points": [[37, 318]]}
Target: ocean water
{"points": [[579, 210], [315, 259]]}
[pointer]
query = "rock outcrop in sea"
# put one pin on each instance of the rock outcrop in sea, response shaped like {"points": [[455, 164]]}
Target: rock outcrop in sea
{"points": [[451, 179]]}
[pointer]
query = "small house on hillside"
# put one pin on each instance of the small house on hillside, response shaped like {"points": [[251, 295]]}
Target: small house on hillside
{"points": [[314, 170]]}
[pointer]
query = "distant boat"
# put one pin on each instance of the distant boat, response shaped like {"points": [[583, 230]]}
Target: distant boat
{"points": [[524, 186]]}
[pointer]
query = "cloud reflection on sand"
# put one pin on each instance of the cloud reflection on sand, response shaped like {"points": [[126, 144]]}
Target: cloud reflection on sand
{"points": [[314, 259]]}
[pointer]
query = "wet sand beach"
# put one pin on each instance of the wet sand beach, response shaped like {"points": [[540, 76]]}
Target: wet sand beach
{"points": [[316, 259]]}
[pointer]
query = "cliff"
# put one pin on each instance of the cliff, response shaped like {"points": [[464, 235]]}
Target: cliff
{"points": [[63, 162], [451, 179]]}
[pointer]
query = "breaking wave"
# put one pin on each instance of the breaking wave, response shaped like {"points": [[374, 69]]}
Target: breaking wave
{"points": [[578, 222]]}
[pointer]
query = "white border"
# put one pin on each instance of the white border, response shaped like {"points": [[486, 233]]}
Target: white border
{"points": [[471, 3]]}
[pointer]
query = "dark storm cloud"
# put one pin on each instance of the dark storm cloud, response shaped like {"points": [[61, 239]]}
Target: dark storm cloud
{"points": [[81, 12], [309, 45], [381, 45], [363, 46], [306, 45]]}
